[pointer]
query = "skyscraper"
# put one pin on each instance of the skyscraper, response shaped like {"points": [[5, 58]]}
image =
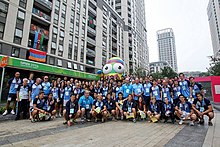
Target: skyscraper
{"points": [[167, 47], [213, 12], [77, 35]]}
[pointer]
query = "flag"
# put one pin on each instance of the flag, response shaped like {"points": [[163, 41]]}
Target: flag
{"points": [[41, 41], [38, 40], [37, 55], [35, 39], [91, 22]]}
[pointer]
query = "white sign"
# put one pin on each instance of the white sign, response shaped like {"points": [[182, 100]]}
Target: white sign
{"points": [[217, 89]]}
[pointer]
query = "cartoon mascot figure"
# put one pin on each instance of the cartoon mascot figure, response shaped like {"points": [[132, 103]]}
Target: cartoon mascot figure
{"points": [[114, 68]]}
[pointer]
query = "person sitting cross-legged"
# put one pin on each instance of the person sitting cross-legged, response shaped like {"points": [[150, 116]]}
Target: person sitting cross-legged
{"points": [[154, 110], [128, 108], [168, 110]]}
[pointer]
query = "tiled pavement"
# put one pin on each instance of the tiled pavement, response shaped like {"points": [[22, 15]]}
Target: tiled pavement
{"points": [[54, 133]]}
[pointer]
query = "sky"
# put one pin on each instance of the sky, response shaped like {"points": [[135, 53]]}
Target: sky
{"points": [[189, 21]]}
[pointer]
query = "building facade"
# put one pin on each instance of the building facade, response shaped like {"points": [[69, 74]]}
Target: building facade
{"points": [[75, 34], [167, 47], [158, 66], [213, 12]]}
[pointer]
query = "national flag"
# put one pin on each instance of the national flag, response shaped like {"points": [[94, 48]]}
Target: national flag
{"points": [[37, 55]]}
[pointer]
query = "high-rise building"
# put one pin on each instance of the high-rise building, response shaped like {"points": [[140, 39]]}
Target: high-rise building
{"points": [[158, 66], [167, 47], [75, 35], [213, 12]]}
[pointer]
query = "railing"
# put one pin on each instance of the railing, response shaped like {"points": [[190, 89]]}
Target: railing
{"points": [[92, 10], [93, 31], [41, 14], [90, 52], [45, 3], [91, 41], [90, 62]]}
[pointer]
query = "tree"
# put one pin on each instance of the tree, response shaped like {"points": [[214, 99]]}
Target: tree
{"points": [[215, 69], [140, 72], [168, 72], [157, 75]]}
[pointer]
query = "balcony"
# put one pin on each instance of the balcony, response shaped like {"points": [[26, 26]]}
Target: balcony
{"points": [[41, 14], [114, 45], [91, 30], [34, 28], [92, 10], [93, 2], [91, 41], [46, 4], [114, 52], [90, 62], [114, 36], [90, 53]]}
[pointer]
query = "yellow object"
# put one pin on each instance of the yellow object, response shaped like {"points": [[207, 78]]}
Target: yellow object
{"points": [[130, 115], [153, 119]]}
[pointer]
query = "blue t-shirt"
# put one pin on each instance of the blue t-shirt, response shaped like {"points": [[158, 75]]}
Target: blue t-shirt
{"points": [[46, 87], [100, 104], [35, 90], [104, 91], [184, 87], [55, 92], [110, 104], [147, 87], [166, 92], [137, 89], [176, 92], [14, 83], [67, 93], [196, 88], [126, 89], [185, 107], [86, 103], [156, 92], [117, 91]]}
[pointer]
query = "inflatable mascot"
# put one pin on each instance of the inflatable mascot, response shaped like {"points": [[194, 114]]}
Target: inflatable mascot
{"points": [[114, 68]]}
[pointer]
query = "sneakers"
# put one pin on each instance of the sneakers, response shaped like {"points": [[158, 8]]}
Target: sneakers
{"points": [[12, 112], [5, 113], [191, 124], [181, 122], [210, 123], [96, 120], [60, 115], [103, 120], [122, 117], [134, 120]]}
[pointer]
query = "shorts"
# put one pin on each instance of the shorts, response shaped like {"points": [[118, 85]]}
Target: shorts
{"points": [[11, 97], [31, 103], [185, 114], [64, 102]]}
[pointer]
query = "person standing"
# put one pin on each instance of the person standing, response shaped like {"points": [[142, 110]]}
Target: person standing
{"points": [[184, 86], [147, 86], [31, 79], [23, 97], [137, 89], [13, 84], [46, 86]]}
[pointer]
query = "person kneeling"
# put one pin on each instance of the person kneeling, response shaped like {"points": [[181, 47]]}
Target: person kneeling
{"points": [[183, 110], [128, 108], [37, 111], [154, 110], [168, 110], [50, 106], [71, 113], [99, 109], [201, 107], [110, 106]]}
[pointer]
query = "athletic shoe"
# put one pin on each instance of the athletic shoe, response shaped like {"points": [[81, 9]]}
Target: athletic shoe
{"points": [[191, 124], [103, 120], [181, 122], [134, 120], [12, 112], [210, 123], [122, 117], [96, 120], [57, 115], [88, 120], [201, 121], [65, 122], [60, 115], [5, 113]]}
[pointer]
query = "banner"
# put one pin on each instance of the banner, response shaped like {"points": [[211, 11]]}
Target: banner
{"points": [[37, 55]]}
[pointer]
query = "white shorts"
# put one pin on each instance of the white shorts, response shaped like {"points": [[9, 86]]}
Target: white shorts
{"points": [[185, 114], [31, 103]]}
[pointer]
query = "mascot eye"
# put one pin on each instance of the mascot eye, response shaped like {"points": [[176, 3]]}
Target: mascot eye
{"points": [[107, 69], [119, 68]]}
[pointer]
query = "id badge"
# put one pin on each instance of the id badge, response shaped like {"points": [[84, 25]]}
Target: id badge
{"points": [[71, 110], [48, 108], [184, 87], [147, 90], [202, 109], [121, 106], [165, 95], [138, 90], [9, 98], [16, 85], [54, 95], [178, 93], [67, 93], [155, 93], [129, 109], [127, 90], [87, 106]]}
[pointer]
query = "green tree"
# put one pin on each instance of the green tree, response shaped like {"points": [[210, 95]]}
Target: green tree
{"points": [[215, 69], [157, 75], [168, 72], [140, 72]]}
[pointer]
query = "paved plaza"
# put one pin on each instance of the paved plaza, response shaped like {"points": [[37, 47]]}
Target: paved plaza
{"points": [[120, 133]]}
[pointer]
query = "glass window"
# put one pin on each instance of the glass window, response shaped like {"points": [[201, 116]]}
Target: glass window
{"points": [[61, 33], [22, 3], [75, 66], [59, 62], [69, 65], [60, 48], [2, 27], [51, 61], [54, 46], [55, 30], [21, 15], [18, 33], [15, 52]]}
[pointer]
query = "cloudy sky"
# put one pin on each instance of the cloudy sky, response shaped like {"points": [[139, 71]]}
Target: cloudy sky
{"points": [[189, 20]]}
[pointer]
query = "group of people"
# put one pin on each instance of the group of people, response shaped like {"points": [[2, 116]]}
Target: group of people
{"points": [[108, 99]]}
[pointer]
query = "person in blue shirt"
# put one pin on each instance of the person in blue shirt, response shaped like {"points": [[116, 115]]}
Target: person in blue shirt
{"points": [[85, 105], [168, 111], [137, 89], [201, 107], [71, 113], [184, 86], [183, 110], [154, 109], [147, 86], [67, 93], [194, 87], [13, 84], [156, 92], [166, 91], [126, 88], [110, 106], [176, 93], [104, 89], [31, 80], [118, 89], [99, 109], [46, 86], [129, 106], [49, 106]]}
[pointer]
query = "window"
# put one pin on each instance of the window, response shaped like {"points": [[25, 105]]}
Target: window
{"points": [[15, 52], [21, 15], [81, 68], [61, 33], [22, 3], [55, 30], [0, 48], [69, 65], [56, 18], [52, 60], [59, 62], [17, 40], [82, 52], [54, 46], [18, 33], [2, 27], [61, 48], [75, 66], [62, 22]]}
